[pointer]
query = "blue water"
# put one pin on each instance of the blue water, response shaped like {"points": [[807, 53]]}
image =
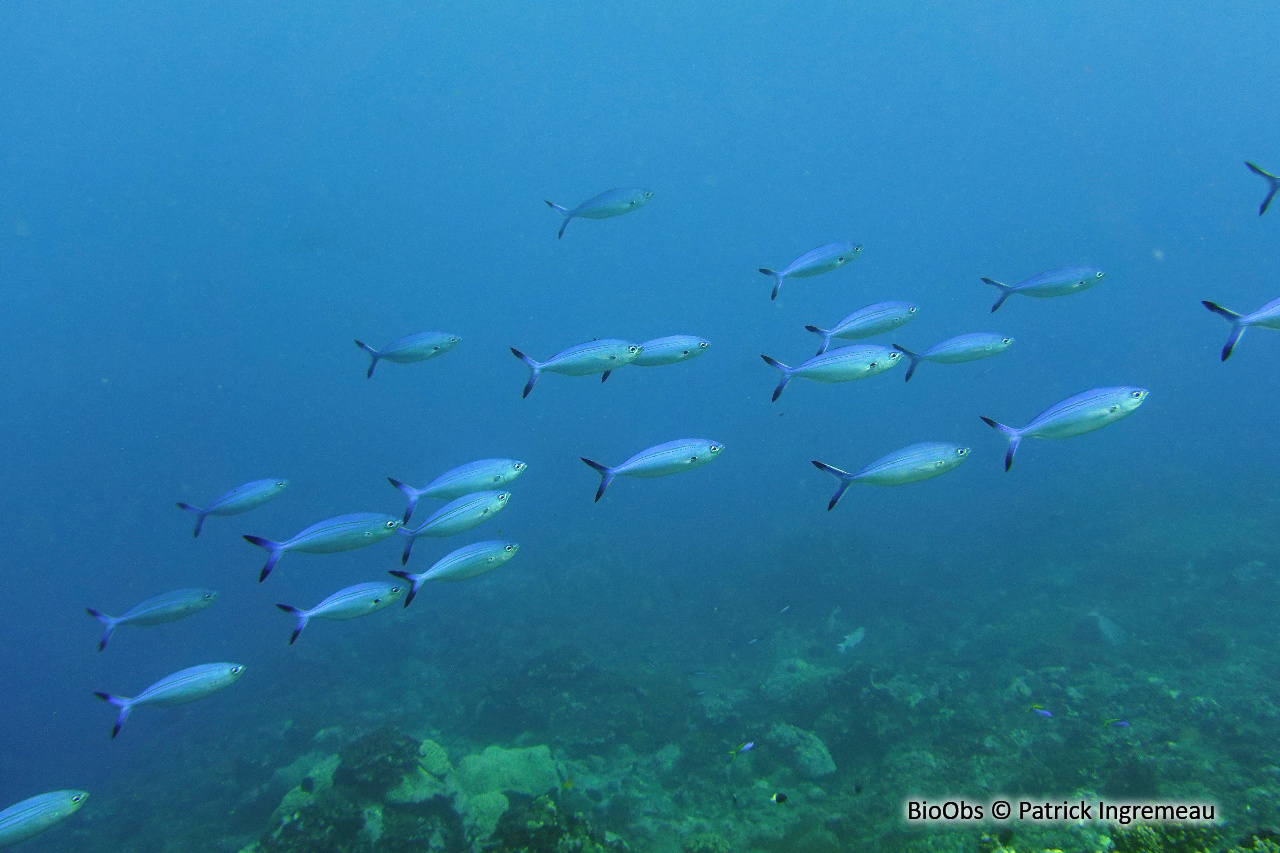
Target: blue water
{"points": [[203, 204]]}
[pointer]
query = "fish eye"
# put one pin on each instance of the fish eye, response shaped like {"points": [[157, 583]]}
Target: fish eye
{"points": [[702, 345], [77, 798], [207, 596], [1099, 274], [1137, 395], [509, 548], [715, 448], [390, 525], [454, 339], [519, 466], [962, 451], [1006, 340], [282, 483], [236, 670], [504, 496], [394, 590], [912, 310], [633, 349]]}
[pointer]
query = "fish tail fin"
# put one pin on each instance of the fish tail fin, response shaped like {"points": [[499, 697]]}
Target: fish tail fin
{"points": [[415, 581], [303, 617], [534, 366], [786, 375], [777, 281], [826, 337], [1237, 328], [199, 514], [1014, 436], [563, 211], [107, 621], [915, 361], [1273, 180], [276, 553], [1005, 290], [844, 477], [124, 704], [408, 548], [409, 492], [374, 355], [606, 475]]}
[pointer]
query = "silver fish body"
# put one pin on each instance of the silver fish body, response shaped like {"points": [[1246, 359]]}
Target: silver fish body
{"points": [[842, 364], [872, 320], [35, 814], [908, 465], [410, 349], [602, 356], [671, 457], [814, 262], [608, 204], [166, 607], [349, 603], [1266, 317], [481, 475], [341, 533], [463, 564], [456, 516], [959, 349], [184, 686], [1074, 416], [670, 350], [1059, 282], [238, 500]]}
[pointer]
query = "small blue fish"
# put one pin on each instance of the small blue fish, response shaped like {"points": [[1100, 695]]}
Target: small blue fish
{"points": [[238, 500], [1273, 184], [34, 815], [1266, 317], [350, 603], [602, 356], [908, 465], [742, 748], [342, 533], [843, 364], [814, 262], [671, 457], [461, 565], [1057, 282], [186, 685], [670, 350], [958, 349], [464, 480], [1118, 723], [410, 348], [608, 204], [166, 607], [456, 516], [1041, 710], [1074, 416], [873, 320]]}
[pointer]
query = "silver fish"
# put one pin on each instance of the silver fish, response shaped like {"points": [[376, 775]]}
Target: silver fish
{"points": [[186, 685], [865, 322], [166, 607], [456, 516], [1057, 282], [1109, 630], [1074, 416], [608, 204], [341, 533], [955, 350], [34, 815], [460, 565], [472, 477], [670, 350], [1273, 184], [908, 465], [359, 600], [671, 457], [602, 356], [410, 348], [1266, 317], [842, 364], [238, 500], [814, 262]]}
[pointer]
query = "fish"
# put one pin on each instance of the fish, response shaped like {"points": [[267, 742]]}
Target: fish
{"points": [[779, 798], [238, 500], [1057, 282], [35, 814], [600, 356], [472, 477], [1266, 317], [608, 204], [460, 565], [410, 348], [670, 350], [349, 603], [341, 533], [1273, 184], [457, 516], [186, 685], [742, 747], [670, 457], [908, 465], [166, 607], [1117, 723], [814, 262], [1109, 630], [1074, 416], [851, 640], [842, 364], [1041, 710], [955, 350], [872, 320]]}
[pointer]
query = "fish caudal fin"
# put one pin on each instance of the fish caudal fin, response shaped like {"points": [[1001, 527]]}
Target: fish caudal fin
{"points": [[562, 210], [303, 618], [777, 283], [124, 704], [415, 581], [276, 553], [606, 475], [1273, 180], [915, 361], [826, 337], [199, 514], [409, 492], [374, 355], [1005, 290], [408, 548], [534, 366], [108, 622], [1237, 328], [844, 477], [1014, 436], [786, 375]]}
